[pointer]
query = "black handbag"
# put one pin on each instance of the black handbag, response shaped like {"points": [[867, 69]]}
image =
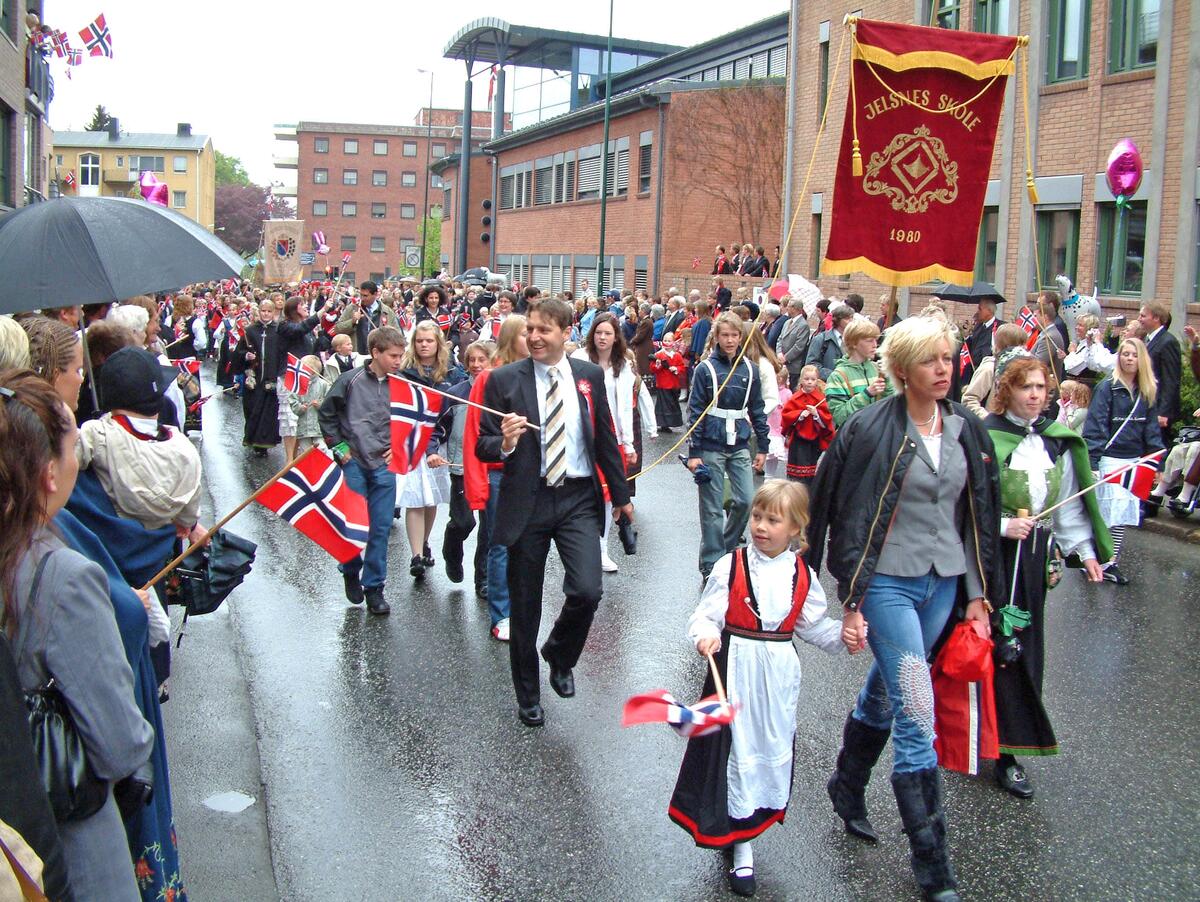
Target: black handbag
{"points": [[207, 576], [74, 790]]}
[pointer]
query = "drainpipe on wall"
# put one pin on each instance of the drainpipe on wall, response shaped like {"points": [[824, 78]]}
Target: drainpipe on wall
{"points": [[790, 144], [658, 190]]}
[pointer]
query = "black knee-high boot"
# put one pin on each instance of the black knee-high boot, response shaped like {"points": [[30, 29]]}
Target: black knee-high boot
{"points": [[861, 747], [919, 796]]}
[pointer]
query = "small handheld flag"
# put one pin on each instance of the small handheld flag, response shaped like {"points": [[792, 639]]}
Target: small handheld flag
{"points": [[964, 359], [189, 366], [345, 259], [1137, 479], [414, 414], [690, 721], [295, 377], [69, 181], [313, 496], [1027, 321], [97, 38]]}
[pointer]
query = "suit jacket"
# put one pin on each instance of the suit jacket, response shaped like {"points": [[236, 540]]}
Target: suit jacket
{"points": [[673, 321], [793, 343], [775, 330], [513, 389], [1167, 362], [979, 343]]}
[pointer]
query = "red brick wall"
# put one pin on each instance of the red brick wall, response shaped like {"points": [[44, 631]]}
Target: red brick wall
{"points": [[478, 252]]}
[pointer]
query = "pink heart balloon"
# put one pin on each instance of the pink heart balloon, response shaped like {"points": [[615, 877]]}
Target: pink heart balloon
{"points": [[1124, 170], [778, 289], [152, 189]]}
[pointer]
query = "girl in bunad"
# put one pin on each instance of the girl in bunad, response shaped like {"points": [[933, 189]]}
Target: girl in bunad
{"points": [[807, 425], [735, 783], [669, 372], [604, 345], [426, 362]]}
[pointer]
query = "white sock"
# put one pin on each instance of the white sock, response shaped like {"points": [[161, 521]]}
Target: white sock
{"points": [[1159, 490], [743, 856], [1185, 493]]}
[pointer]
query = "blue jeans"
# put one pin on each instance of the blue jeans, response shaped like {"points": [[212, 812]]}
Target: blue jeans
{"points": [[497, 557], [905, 616], [719, 533], [378, 486]]}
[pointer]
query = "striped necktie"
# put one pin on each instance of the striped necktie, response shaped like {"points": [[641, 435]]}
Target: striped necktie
{"points": [[556, 433]]}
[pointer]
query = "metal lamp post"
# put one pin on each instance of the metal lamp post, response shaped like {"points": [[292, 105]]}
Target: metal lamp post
{"points": [[428, 157]]}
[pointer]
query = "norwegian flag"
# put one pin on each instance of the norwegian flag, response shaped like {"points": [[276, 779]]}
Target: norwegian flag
{"points": [[62, 44], [404, 320], [231, 333], [345, 259], [690, 721], [189, 366], [231, 286], [97, 38], [964, 359], [295, 379], [314, 498], [414, 414], [1138, 477], [69, 181], [1028, 321], [444, 321], [74, 58], [466, 322]]}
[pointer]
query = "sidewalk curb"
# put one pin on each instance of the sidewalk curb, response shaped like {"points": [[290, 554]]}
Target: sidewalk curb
{"points": [[1165, 524]]}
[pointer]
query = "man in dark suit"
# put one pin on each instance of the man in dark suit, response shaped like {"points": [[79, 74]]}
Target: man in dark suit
{"points": [[979, 342], [722, 296], [1166, 361], [551, 489]]}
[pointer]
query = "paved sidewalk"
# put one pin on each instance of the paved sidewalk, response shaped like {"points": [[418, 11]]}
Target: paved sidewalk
{"points": [[1166, 524]]}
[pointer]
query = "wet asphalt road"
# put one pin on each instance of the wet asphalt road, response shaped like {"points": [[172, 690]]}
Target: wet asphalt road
{"points": [[393, 764]]}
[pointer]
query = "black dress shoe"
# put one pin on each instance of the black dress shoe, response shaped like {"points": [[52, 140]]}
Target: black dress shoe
{"points": [[376, 603], [354, 589], [416, 568], [1012, 780], [481, 591], [531, 716], [742, 885], [454, 570], [562, 681], [427, 557]]}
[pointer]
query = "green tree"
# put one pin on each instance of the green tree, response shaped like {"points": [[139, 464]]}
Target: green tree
{"points": [[100, 120], [230, 171], [431, 236]]}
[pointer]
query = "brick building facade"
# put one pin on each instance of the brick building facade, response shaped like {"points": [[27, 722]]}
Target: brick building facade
{"points": [[26, 90], [1099, 72], [479, 250], [364, 186]]}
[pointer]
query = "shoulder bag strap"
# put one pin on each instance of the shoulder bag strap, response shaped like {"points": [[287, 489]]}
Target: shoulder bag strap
{"points": [[33, 594], [1125, 422], [29, 889]]}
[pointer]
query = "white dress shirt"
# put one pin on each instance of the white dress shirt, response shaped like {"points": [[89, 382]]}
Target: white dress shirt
{"points": [[577, 459]]}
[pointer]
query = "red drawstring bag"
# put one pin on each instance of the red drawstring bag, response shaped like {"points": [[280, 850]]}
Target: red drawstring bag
{"points": [[964, 708]]}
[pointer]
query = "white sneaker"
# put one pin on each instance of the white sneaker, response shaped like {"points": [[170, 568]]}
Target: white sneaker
{"points": [[607, 564], [500, 630]]}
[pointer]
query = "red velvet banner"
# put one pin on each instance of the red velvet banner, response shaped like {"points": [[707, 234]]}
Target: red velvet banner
{"points": [[924, 104]]}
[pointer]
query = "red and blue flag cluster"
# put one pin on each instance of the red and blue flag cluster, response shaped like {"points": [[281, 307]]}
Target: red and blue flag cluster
{"points": [[690, 721]]}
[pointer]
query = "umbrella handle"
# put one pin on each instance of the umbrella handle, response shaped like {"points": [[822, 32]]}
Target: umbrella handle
{"points": [[712, 665]]}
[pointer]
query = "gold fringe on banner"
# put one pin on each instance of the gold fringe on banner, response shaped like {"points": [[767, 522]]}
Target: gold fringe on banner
{"points": [[900, 278], [932, 59]]}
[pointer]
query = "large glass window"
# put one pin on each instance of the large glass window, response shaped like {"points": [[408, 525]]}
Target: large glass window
{"points": [[1122, 253], [410, 148], [320, 208], [408, 179], [320, 145], [985, 252], [942, 13], [1058, 244], [379, 178], [349, 208], [349, 176], [1132, 34], [320, 176], [1067, 49], [350, 145], [89, 170], [147, 164], [378, 210], [991, 16]]}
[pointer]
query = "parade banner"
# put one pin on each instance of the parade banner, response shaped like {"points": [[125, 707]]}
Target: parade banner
{"points": [[916, 150], [281, 250]]}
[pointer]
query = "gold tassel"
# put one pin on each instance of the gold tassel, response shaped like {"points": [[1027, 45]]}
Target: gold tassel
{"points": [[1031, 187], [856, 161]]}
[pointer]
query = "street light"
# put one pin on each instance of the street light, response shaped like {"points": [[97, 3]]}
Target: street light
{"points": [[428, 157]]}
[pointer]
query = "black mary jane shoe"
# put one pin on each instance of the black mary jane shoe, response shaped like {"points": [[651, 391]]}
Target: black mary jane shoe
{"points": [[1012, 779], [742, 885], [427, 557], [531, 716], [416, 567]]}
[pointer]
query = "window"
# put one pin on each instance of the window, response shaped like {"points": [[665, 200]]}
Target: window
{"points": [[985, 251], [178, 199], [410, 148], [378, 244], [349, 243], [58, 160], [147, 164], [777, 68], [618, 178], [1122, 248], [435, 180], [179, 164], [350, 145], [1132, 34], [991, 16], [89, 166], [120, 160], [378, 210], [823, 75], [349, 176], [1067, 49], [446, 208], [408, 179], [516, 187], [815, 265], [640, 279], [564, 178], [741, 68], [379, 178], [408, 211], [439, 151], [320, 176], [645, 161], [7, 119], [320, 208], [320, 145], [349, 208], [942, 13], [725, 72], [543, 192], [379, 148], [1058, 244], [589, 174]]}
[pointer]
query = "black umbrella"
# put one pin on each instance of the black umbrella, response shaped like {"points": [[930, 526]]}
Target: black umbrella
{"points": [[86, 250], [979, 291]]}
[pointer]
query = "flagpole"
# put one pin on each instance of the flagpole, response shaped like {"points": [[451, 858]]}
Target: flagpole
{"points": [[466, 401], [1099, 482], [712, 665], [229, 516]]}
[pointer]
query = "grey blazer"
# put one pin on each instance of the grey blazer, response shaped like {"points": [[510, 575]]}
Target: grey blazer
{"points": [[927, 532], [70, 632], [793, 343]]}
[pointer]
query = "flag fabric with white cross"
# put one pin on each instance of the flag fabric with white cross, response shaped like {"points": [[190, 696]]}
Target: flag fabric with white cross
{"points": [[62, 44], [314, 498], [295, 377], [97, 38], [189, 366], [414, 414], [690, 721]]}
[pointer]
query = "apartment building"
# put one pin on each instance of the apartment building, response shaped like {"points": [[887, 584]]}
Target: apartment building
{"points": [[26, 90]]}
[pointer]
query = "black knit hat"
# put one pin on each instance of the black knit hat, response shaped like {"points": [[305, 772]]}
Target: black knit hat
{"points": [[133, 379]]}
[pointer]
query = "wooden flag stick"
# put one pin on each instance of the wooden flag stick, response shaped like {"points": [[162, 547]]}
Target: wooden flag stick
{"points": [[712, 665], [466, 401], [229, 516], [1099, 482]]}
